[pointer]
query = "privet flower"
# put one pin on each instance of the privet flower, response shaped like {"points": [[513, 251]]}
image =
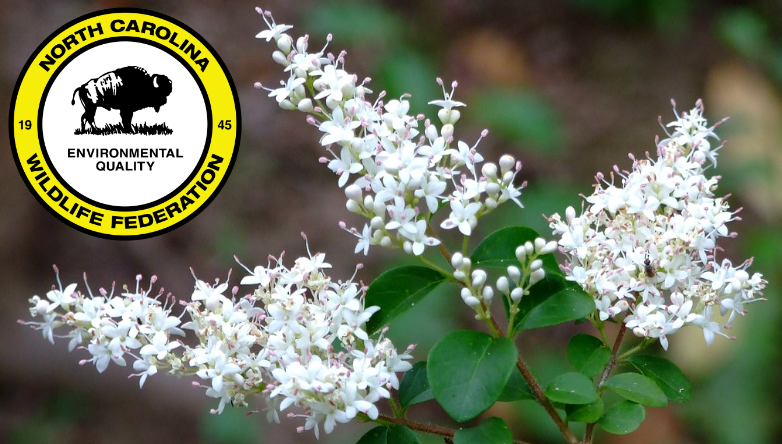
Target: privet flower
{"points": [[646, 245], [279, 342], [397, 169]]}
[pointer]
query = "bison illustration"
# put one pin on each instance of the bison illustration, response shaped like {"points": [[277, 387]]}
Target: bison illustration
{"points": [[127, 89]]}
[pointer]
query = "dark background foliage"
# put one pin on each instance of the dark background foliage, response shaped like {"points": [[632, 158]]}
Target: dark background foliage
{"points": [[568, 86]]}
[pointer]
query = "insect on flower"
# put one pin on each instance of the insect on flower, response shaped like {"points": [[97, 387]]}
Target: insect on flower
{"points": [[648, 270]]}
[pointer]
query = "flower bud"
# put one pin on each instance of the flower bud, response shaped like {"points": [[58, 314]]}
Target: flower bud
{"points": [[478, 278], [353, 192], [285, 42], [536, 276], [305, 105], [332, 103], [490, 203], [493, 188], [549, 248], [539, 244], [444, 115], [507, 178], [529, 247], [42, 307], [459, 275], [466, 264], [514, 273], [431, 132], [302, 44], [379, 208], [488, 294], [503, 285], [457, 260], [507, 162], [521, 253], [516, 294], [537, 264], [377, 223], [353, 206], [570, 214], [489, 170], [407, 246], [455, 116], [446, 131], [287, 105], [386, 242], [280, 58]]}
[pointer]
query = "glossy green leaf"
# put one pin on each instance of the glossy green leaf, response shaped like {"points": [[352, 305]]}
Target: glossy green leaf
{"points": [[397, 291], [666, 374], [492, 430], [585, 413], [468, 371], [498, 250], [572, 388], [516, 389], [552, 301], [637, 388], [588, 354], [622, 418], [390, 434], [414, 388]]}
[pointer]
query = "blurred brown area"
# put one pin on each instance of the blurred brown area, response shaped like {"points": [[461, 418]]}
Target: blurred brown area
{"points": [[609, 82]]}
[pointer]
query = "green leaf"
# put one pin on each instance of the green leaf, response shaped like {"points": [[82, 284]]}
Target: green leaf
{"points": [[572, 388], [552, 301], [498, 250], [390, 434], [516, 389], [468, 371], [666, 374], [414, 388], [586, 413], [588, 354], [622, 418], [493, 430], [522, 117], [637, 388], [397, 291]]}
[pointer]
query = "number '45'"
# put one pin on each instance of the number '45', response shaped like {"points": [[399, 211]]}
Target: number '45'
{"points": [[224, 124]]}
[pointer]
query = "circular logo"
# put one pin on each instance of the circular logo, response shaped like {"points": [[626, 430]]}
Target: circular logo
{"points": [[125, 123]]}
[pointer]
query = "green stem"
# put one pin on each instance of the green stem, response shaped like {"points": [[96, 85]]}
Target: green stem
{"points": [[642, 345], [434, 266]]}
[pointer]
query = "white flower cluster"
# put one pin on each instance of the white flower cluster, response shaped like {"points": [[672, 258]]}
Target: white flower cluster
{"points": [[396, 177], [298, 339], [646, 249]]}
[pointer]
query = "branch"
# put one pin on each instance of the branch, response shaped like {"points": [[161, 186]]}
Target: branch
{"points": [[542, 400], [427, 428], [590, 429]]}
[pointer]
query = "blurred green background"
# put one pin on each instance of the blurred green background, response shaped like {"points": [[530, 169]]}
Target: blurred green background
{"points": [[568, 86]]}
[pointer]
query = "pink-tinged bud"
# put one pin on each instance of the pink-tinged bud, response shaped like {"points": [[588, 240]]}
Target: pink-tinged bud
{"points": [[259, 10]]}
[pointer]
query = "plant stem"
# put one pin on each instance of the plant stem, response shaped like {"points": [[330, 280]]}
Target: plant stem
{"points": [[427, 428], [542, 400], [590, 429]]}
